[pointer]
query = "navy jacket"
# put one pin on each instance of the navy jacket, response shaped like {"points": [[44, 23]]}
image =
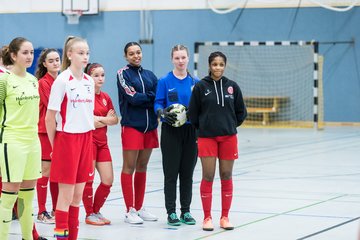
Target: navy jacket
{"points": [[137, 89]]}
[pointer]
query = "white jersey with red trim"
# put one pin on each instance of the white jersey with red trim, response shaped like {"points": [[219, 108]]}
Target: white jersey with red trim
{"points": [[74, 102]]}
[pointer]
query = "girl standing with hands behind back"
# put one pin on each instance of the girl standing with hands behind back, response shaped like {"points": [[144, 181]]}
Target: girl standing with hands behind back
{"points": [[69, 124], [216, 109]]}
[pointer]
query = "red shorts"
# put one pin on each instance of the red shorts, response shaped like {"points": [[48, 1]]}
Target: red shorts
{"points": [[222, 147], [46, 148], [133, 139], [101, 152], [72, 160]]}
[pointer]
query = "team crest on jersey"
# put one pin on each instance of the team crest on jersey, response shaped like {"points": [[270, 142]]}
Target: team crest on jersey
{"points": [[104, 102], [230, 90]]}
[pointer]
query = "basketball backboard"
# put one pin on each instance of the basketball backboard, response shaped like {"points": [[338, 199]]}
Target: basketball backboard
{"points": [[87, 7]]}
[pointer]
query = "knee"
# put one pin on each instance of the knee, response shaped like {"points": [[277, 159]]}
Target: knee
{"points": [[76, 198], [141, 167], [63, 201], [108, 180], [45, 171], [208, 177], [128, 169], [225, 175]]}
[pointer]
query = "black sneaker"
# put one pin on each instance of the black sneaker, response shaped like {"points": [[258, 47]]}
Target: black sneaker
{"points": [[187, 218], [173, 220]]}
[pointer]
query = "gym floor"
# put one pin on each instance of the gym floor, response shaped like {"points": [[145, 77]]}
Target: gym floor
{"points": [[289, 184]]}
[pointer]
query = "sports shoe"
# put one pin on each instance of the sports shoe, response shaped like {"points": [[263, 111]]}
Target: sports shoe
{"points": [[146, 216], [173, 220], [187, 218], [102, 218], [93, 219], [225, 224], [132, 217], [207, 224], [45, 218]]}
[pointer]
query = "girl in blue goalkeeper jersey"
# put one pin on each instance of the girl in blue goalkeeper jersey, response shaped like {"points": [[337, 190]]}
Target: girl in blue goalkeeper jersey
{"points": [[178, 144]]}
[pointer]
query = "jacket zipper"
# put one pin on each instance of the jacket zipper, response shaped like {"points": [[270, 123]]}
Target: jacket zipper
{"points": [[147, 111]]}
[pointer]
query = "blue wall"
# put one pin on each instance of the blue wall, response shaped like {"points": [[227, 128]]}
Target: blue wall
{"points": [[108, 33]]}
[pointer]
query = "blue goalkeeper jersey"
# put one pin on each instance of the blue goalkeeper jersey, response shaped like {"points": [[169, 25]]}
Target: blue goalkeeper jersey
{"points": [[172, 90]]}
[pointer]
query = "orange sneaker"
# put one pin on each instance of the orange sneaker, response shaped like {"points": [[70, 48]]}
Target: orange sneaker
{"points": [[102, 218], [225, 224], [92, 219], [207, 224]]}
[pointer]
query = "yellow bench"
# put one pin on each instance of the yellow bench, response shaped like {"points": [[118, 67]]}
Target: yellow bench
{"points": [[264, 105]]}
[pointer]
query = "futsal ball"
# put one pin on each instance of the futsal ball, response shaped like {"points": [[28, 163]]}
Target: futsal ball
{"points": [[180, 111]]}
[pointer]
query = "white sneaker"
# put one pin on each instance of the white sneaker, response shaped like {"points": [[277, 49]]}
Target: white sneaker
{"points": [[146, 216], [132, 217]]}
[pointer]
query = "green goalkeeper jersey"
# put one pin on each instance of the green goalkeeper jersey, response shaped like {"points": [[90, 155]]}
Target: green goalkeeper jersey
{"points": [[19, 111]]}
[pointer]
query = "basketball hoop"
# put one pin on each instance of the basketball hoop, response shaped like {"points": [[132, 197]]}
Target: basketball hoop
{"points": [[73, 16]]}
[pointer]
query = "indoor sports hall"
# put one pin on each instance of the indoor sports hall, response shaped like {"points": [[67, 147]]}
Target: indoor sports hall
{"points": [[297, 63]]}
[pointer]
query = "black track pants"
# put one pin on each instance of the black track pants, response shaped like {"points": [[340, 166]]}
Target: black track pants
{"points": [[179, 155]]}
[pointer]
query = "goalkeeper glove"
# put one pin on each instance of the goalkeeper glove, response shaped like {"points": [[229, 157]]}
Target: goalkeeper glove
{"points": [[168, 116]]}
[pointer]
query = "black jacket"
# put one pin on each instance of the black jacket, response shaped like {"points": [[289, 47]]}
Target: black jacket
{"points": [[216, 107]]}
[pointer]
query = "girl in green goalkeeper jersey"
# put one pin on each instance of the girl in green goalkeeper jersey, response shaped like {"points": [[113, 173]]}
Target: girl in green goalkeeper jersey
{"points": [[20, 159]]}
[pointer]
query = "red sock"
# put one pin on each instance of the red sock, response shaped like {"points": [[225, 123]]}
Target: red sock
{"points": [[61, 225], [127, 189], [102, 192], [206, 197], [15, 209], [0, 185], [73, 222], [139, 189], [88, 198], [41, 188], [35, 233], [54, 191], [226, 196]]}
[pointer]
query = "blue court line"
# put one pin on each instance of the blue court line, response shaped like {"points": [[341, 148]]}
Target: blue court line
{"points": [[272, 216], [329, 228]]}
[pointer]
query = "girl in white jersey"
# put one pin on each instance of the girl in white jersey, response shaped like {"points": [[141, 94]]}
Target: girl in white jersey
{"points": [[69, 124]]}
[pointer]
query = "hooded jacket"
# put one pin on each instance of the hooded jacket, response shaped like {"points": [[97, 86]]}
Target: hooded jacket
{"points": [[216, 107], [136, 90]]}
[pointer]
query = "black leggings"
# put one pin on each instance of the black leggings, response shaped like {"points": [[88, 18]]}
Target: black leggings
{"points": [[179, 155]]}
